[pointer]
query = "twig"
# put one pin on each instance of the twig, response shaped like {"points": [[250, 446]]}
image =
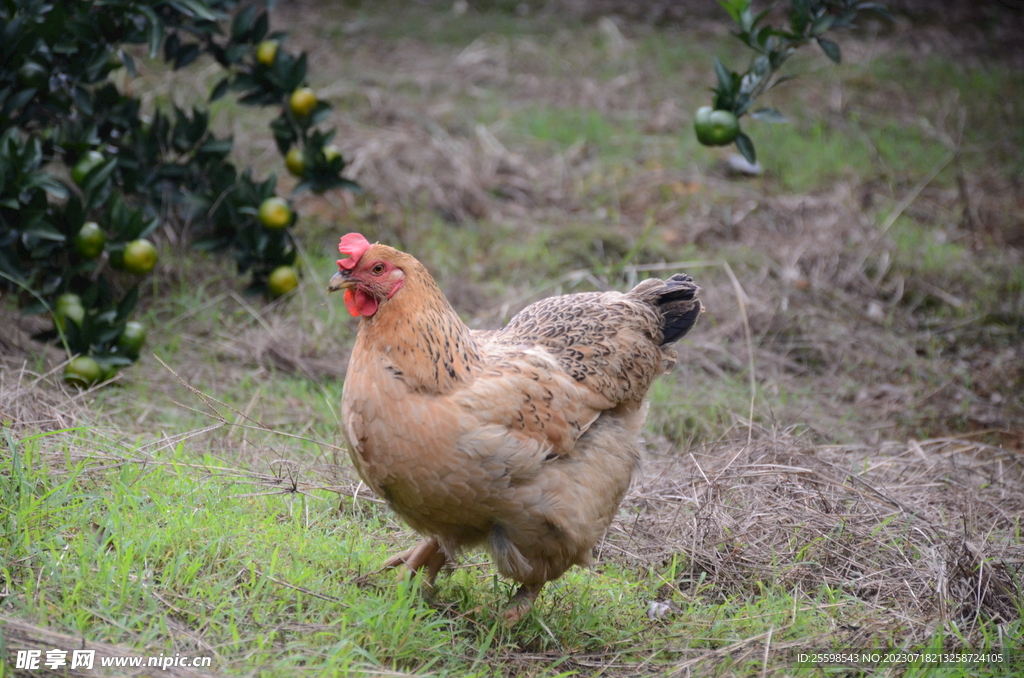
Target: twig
{"points": [[329, 599], [741, 302]]}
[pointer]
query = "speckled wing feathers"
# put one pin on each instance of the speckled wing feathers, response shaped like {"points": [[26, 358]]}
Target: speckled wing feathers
{"points": [[613, 344]]}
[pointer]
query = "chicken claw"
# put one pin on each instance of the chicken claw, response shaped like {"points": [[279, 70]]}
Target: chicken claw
{"points": [[425, 555], [521, 603]]}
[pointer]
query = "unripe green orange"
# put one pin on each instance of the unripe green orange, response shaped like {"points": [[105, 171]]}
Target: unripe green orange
{"points": [[139, 257], [295, 161], [33, 74], [275, 213], [132, 338], [68, 306], [83, 372], [282, 280], [716, 127], [90, 241], [266, 52], [302, 102]]}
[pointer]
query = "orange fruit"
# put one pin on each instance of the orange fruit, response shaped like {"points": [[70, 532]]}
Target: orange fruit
{"points": [[295, 161], [266, 52], [716, 127], [34, 74], [68, 306], [302, 102], [90, 241], [139, 257], [132, 338], [83, 372], [275, 213], [282, 280]]}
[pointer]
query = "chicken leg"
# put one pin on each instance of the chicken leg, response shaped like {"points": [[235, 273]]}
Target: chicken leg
{"points": [[426, 555]]}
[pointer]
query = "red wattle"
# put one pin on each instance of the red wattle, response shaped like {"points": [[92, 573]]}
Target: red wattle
{"points": [[350, 302], [366, 304], [360, 303]]}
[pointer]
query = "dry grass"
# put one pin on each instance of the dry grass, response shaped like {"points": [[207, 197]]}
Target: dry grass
{"points": [[919, 530], [32, 396]]}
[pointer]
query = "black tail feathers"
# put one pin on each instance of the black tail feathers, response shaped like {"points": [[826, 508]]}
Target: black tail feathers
{"points": [[679, 306]]}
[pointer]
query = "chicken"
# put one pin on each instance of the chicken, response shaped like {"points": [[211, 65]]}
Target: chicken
{"points": [[522, 440]]}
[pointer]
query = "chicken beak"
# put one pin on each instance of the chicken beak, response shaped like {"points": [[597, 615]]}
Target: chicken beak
{"points": [[340, 281]]}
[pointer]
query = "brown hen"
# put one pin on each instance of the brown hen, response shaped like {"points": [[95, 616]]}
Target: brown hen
{"points": [[521, 440]]}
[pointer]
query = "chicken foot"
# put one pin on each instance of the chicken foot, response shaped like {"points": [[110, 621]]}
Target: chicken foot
{"points": [[426, 555], [521, 603]]}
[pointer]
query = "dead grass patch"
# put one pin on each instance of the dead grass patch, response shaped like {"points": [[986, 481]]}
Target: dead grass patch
{"points": [[32, 396], [922, 531]]}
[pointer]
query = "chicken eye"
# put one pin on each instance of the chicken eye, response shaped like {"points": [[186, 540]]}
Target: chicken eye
{"points": [[377, 269]]}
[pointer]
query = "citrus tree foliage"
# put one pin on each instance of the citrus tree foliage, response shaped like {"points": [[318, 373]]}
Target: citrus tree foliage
{"points": [[62, 117], [735, 93]]}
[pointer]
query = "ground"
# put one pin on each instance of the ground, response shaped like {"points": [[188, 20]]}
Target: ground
{"points": [[834, 465]]}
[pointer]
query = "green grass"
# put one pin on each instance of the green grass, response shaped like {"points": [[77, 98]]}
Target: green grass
{"points": [[988, 94], [561, 128], [114, 542]]}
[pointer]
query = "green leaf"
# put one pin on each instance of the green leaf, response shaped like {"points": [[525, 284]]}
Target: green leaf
{"points": [[171, 46], [800, 16], [259, 29], [874, 8], [320, 113], [830, 49], [18, 100], [220, 89], [761, 65], [215, 146], [186, 55], [761, 15], [747, 19], [742, 105], [211, 244], [779, 81], [735, 8], [298, 72], [98, 175], [129, 63], [822, 24], [127, 305], [45, 231], [148, 226], [242, 23], [746, 147], [83, 100], [236, 52], [53, 187], [196, 8], [156, 30], [724, 76]]}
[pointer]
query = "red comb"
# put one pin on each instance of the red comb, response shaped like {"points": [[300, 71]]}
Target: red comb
{"points": [[354, 245]]}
